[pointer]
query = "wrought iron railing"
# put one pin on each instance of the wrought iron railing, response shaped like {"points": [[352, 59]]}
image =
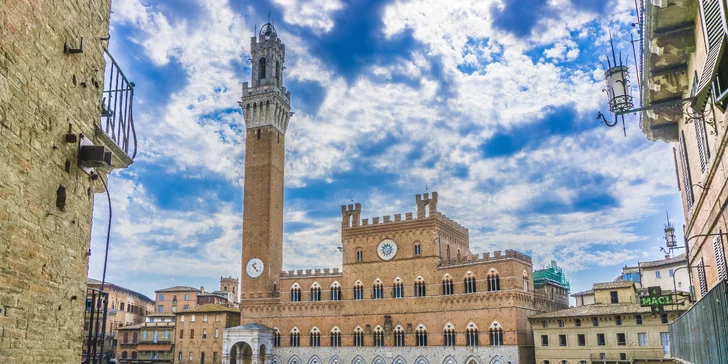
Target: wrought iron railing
{"points": [[117, 119], [96, 307], [700, 335]]}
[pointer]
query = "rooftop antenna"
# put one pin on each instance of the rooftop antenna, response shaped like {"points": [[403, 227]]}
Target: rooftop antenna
{"points": [[426, 189], [268, 16]]}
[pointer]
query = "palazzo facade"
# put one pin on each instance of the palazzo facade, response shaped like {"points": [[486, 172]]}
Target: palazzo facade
{"points": [[410, 290]]}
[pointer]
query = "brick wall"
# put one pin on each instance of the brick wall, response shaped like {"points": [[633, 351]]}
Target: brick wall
{"points": [[44, 245]]}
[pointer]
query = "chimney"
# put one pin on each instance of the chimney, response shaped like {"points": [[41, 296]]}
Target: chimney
{"points": [[667, 256], [202, 288]]}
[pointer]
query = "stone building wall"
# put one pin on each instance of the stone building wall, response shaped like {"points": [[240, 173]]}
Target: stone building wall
{"points": [[46, 201], [218, 318], [409, 355]]}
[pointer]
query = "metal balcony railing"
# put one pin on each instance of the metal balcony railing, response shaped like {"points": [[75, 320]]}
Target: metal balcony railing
{"points": [[117, 120], [96, 309]]}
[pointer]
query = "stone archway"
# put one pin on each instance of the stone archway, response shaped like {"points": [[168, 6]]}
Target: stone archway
{"points": [[241, 353]]}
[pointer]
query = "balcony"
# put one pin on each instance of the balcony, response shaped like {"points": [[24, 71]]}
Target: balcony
{"points": [[668, 45], [115, 129]]}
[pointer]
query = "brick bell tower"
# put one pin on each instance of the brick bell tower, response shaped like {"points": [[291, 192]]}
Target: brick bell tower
{"points": [[266, 108]]}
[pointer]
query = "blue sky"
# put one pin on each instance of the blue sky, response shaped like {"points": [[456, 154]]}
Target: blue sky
{"points": [[491, 103]]}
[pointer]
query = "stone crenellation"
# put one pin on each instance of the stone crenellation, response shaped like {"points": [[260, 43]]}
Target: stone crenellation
{"points": [[426, 208], [487, 257], [311, 272]]}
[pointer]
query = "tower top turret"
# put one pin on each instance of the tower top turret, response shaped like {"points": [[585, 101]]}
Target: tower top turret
{"points": [[266, 102]]}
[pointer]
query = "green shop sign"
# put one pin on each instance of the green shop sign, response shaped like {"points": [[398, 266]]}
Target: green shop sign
{"points": [[656, 300]]}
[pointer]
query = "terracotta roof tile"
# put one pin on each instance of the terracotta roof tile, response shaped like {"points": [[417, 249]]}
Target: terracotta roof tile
{"points": [[178, 289]]}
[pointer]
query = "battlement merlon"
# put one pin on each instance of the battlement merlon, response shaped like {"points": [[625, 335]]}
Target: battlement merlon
{"points": [[489, 257], [452, 224], [350, 215], [300, 273], [426, 205]]}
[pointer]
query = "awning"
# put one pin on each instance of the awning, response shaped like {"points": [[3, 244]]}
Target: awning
{"points": [[154, 347], [710, 69]]}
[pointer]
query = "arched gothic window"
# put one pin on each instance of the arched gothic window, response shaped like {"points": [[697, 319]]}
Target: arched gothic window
{"points": [[449, 334], [276, 338], [447, 285], [261, 68], [470, 283], [496, 334], [336, 291], [421, 336], [358, 291], [471, 333], [295, 338], [335, 337], [378, 289], [358, 337], [420, 287], [133, 355], [295, 293], [315, 292], [124, 355], [398, 288], [493, 280], [314, 337], [398, 336], [418, 249], [378, 336]]}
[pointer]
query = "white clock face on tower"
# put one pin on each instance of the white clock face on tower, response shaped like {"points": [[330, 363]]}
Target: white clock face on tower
{"points": [[254, 268], [387, 249]]}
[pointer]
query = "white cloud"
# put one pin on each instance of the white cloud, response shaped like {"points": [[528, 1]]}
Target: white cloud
{"points": [[314, 14], [415, 131]]}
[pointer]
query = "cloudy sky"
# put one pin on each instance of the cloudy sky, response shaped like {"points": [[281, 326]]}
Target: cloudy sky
{"points": [[491, 103]]}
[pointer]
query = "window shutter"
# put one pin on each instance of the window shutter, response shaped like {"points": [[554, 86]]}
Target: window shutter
{"points": [[712, 16], [687, 182], [677, 173], [720, 257], [701, 278], [702, 140]]}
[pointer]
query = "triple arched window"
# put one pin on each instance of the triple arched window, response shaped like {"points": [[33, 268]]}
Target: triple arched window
{"points": [[296, 293], [470, 283], [358, 291], [315, 292], [378, 336], [493, 280], [314, 337], [358, 337], [295, 338], [420, 287], [335, 337], [421, 336], [398, 288], [496, 334], [398, 336], [447, 286], [471, 335], [336, 291], [378, 289], [449, 335]]}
